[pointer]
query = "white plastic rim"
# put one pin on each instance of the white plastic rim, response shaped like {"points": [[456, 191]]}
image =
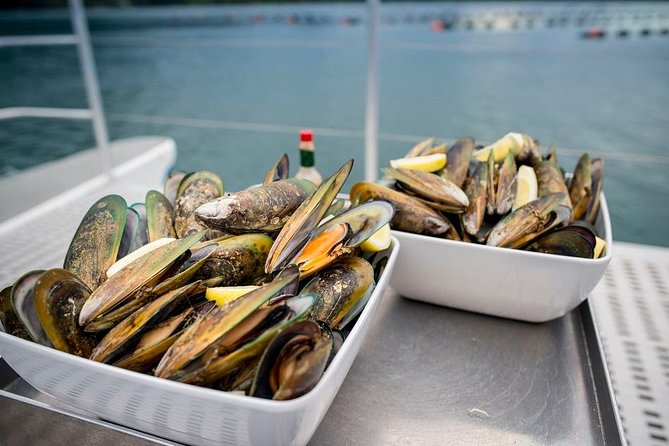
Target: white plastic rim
{"points": [[183, 412]]}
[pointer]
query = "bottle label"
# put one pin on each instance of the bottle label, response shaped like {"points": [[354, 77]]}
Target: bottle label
{"points": [[306, 158]]}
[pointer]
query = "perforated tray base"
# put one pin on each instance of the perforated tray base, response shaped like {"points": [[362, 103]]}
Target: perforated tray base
{"points": [[631, 309]]}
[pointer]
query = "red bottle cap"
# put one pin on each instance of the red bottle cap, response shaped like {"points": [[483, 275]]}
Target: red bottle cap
{"points": [[306, 135]]}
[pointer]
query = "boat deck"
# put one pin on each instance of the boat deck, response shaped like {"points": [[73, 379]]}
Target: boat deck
{"points": [[514, 400]]}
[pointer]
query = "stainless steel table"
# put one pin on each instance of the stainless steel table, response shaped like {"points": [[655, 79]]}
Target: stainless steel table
{"points": [[425, 375]]}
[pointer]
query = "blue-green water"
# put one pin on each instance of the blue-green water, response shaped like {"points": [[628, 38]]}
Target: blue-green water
{"points": [[233, 93]]}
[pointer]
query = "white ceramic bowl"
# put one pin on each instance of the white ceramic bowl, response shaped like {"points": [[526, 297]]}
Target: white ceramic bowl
{"points": [[510, 283], [182, 412]]}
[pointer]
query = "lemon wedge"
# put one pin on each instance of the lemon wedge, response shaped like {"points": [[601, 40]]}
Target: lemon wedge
{"points": [[224, 294], [427, 163], [379, 241], [136, 254], [600, 248], [527, 187], [510, 141]]}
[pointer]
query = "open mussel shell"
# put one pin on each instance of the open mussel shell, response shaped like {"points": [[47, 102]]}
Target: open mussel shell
{"points": [[212, 329], [280, 170], [23, 302], [529, 221], [340, 236], [157, 340], [364, 220], [159, 216], [257, 209], [572, 241], [305, 219], [251, 336], [186, 272], [293, 362], [96, 242], [116, 291], [130, 329], [341, 291], [432, 188], [194, 190], [459, 156], [410, 214], [59, 296], [9, 320]]}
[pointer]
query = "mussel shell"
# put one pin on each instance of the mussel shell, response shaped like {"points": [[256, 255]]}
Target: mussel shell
{"points": [[420, 148], [130, 329], [432, 188], [564, 241], [506, 185], [257, 209], [59, 296], [597, 174], [491, 191], [130, 238], [324, 249], [121, 286], [9, 321], [194, 190], [159, 216], [339, 289], [142, 231], [280, 170], [172, 185], [580, 186], [23, 302], [293, 362], [364, 220], [254, 333], [459, 156], [94, 247], [550, 180], [529, 221], [147, 354], [410, 214], [187, 270], [305, 219], [216, 324], [238, 260], [476, 189]]}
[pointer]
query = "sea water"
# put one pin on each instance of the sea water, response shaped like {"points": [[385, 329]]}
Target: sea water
{"points": [[233, 86]]}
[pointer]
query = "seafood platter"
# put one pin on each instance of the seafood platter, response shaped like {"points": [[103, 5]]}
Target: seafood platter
{"points": [[202, 316], [497, 229]]}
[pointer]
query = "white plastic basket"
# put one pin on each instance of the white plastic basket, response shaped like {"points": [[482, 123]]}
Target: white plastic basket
{"points": [[183, 412]]}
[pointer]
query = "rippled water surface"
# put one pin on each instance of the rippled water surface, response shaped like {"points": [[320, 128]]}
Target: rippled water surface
{"points": [[232, 85]]}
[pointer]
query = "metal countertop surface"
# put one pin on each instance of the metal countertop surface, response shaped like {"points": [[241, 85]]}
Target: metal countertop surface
{"points": [[432, 375]]}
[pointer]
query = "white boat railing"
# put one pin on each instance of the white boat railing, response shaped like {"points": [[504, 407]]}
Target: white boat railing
{"points": [[371, 110], [80, 38]]}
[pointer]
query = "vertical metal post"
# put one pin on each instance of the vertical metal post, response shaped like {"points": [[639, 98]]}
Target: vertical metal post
{"points": [[371, 113], [91, 83]]}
